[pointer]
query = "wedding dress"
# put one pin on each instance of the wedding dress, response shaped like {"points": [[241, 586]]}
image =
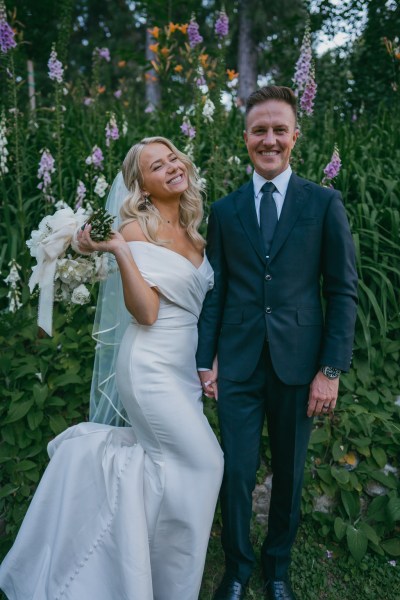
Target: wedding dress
{"points": [[124, 513]]}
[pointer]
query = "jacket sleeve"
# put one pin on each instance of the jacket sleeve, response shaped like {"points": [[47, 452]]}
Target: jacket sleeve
{"points": [[339, 287], [210, 317]]}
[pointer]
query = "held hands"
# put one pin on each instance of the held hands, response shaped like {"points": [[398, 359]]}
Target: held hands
{"points": [[86, 245], [323, 395], [209, 379]]}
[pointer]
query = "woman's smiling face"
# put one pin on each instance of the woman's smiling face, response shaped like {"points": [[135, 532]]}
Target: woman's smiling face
{"points": [[163, 173]]}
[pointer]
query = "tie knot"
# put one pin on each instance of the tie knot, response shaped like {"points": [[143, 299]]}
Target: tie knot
{"points": [[268, 187]]}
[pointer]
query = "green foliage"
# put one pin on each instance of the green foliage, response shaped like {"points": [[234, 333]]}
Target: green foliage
{"points": [[353, 456]]}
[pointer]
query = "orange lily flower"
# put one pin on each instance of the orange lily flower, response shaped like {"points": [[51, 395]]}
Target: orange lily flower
{"points": [[165, 51], [101, 89], [173, 27], [178, 68], [203, 59], [122, 63], [154, 48], [183, 28], [232, 74], [155, 32]]}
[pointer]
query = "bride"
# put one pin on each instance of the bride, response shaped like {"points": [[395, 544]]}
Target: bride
{"points": [[124, 513]]}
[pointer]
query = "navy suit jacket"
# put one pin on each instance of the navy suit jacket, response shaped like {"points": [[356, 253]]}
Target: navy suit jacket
{"points": [[280, 298]]}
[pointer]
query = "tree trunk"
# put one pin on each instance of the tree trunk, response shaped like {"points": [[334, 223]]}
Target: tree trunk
{"points": [[247, 57], [153, 92]]}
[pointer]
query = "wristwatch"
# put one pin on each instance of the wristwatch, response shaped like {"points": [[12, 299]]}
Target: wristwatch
{"points": [[330, 372]]}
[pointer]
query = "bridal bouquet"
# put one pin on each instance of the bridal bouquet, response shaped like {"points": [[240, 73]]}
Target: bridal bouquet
{"points": [[62, 272]]}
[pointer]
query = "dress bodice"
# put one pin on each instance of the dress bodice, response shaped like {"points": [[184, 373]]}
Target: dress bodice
{"points": [[181, 285]]}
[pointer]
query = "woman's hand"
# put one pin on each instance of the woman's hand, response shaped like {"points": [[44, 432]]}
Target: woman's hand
{"points": [[86, 245]]}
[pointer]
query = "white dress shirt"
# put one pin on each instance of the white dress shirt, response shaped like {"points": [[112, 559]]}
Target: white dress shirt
{"points": [[281, 183]]}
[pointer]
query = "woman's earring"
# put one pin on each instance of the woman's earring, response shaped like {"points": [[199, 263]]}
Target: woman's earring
{"points": [[146, 199]]}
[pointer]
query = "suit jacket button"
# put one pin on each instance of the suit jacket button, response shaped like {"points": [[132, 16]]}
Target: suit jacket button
{"points": [[268, 277], [268, 309]]}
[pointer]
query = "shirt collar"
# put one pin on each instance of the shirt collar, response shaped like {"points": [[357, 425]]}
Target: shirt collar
{"points": [[281, 181]]}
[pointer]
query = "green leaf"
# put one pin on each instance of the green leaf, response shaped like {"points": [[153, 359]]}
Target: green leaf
{"points": [[377, 508], [57, 424], [34, 419], [379, 456], [340, 528], [369, 532], [351, 503], [66, 379], [338, 450], [7, 490], [40, 393], [387, 480], [319, 436], [393, 509], [357, 542], [341, 475], [18, 410], [25, 465], [392, 546]]}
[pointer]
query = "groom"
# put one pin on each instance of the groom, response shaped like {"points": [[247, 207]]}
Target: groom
{"points": [[275, 244]]}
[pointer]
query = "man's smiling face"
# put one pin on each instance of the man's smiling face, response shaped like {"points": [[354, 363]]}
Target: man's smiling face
{"points": [[270, 136]]}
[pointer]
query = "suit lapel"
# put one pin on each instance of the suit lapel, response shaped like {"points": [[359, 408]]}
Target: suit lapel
{"points": [[292, 207], [246, 211]]}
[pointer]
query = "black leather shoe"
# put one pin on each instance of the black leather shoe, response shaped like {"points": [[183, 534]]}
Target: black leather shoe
{"points": [[230, 589], [278, 589]]}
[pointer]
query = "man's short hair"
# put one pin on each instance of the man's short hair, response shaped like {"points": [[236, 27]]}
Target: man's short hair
{"points": [[272, 92]]}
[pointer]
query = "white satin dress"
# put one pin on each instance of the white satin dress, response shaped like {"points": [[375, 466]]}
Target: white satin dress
{"points": [[125, 513]]}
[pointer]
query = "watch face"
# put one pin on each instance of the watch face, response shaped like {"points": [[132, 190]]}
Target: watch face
{"points": [[331, 372]]}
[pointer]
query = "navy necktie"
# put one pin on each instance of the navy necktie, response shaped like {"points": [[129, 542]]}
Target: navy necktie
{"points": [[268, 215]]}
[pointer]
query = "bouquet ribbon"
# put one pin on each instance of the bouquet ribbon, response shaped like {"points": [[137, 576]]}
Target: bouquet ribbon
{"points": [[55, 244]]}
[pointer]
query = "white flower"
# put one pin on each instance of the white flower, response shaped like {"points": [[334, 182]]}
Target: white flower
{"points": [[234, 160], [101, 265], [101, 186], [80, 295], [124, 126], [208, 110], [3, 145], [13, 280]]}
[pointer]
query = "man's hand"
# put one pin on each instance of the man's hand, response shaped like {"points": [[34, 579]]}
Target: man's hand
{"points": [[323, 395], [208, 381]]}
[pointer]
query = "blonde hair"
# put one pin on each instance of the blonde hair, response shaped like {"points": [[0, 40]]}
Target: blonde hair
{"points": [[135, 207]]}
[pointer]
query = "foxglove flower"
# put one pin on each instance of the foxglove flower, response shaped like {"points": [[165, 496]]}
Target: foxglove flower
{"points": [[308, 97], [56, 70], [193, 34], [46, 169], [7, 41], [333, 167], [303, 65], [13, 281], [112, 132], [124, 126], [208, 110], [3, 145], [222, 25], [187, 128], [80, 195], [101, 186], [103, 53], [96, 158]]}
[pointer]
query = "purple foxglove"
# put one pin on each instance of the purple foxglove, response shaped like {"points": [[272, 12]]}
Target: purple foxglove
{"points": [[46, 168], [56, 70], [303, 64], [112, 132], [333, 167], [222, 25], [308, 97], [193, 34], [7, 41]]}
